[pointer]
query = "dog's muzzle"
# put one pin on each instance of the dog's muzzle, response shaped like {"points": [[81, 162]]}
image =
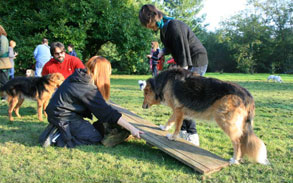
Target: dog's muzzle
{"points": [[145, 106]]}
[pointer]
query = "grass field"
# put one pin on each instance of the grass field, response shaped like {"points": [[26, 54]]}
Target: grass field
{"points": [[22, 159]]}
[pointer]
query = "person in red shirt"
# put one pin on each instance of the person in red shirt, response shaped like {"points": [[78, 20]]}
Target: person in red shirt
{"points": [[61, 62]]}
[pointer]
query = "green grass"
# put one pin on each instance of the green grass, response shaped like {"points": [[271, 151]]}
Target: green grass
{"points": [[23, 160]]}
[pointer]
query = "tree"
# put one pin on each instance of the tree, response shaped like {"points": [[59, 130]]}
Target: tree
{"points": [[88, 25]]}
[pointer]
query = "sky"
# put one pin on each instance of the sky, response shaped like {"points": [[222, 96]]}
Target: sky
{"points": [[217, 10]]}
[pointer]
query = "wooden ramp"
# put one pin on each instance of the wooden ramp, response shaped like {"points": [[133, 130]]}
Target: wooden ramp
{"points": [[199, 159]]}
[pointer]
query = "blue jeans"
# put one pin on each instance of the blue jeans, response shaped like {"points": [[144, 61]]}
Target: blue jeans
{"points": [[11, 73], [39, 68], [201, 70]]}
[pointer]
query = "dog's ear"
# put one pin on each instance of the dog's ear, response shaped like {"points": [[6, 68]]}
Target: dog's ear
{"points": [[151, 81]]}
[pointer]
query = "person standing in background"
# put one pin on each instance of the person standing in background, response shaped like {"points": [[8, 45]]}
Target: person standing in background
{"points": [[42, 55], [12, 56], [153, 56], [71, 50], [4, 56]]}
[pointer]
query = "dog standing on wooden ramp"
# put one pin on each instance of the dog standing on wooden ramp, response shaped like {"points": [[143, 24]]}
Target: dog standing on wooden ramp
{"points": [[38, 88], [193, 96]]}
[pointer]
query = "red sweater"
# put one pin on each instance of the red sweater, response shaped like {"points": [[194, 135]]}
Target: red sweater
{"points": [[66, 68]]}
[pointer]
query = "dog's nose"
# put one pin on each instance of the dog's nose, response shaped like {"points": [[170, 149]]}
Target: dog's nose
{"points": [[145, 106]]}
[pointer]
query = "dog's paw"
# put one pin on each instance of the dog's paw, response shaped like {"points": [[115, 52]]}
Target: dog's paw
{"points": [[163, 127], [264, 162], [172, 136], [234, 162]]}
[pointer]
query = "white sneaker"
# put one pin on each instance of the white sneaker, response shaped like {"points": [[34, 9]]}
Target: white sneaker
{"points": [[193, 138]]}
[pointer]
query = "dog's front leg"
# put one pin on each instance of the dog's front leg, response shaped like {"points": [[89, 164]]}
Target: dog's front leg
{"points": [[169, 123], [178, 121]]}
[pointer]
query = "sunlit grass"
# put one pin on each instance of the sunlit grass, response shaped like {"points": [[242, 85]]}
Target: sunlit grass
{"points": [[23, 160]]}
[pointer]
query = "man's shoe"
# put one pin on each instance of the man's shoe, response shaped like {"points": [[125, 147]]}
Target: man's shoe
{"points": [[50, 133], [193, 138]]}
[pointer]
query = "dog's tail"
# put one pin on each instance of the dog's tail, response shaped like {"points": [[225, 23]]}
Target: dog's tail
{"points": [[251, 145]]}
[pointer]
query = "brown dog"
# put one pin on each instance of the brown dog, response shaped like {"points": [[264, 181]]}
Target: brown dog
{"points": [[191, 96], [38, 88]]}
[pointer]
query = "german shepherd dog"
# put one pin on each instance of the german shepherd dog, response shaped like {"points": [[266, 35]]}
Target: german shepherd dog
{"points": [[193, 96], [38, 88]]}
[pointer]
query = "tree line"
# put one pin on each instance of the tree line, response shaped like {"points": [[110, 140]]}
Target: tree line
{"points": [[259, 39]]}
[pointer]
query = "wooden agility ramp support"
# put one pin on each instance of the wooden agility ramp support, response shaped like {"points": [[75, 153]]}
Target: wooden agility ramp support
{"points": [[199, 159]]}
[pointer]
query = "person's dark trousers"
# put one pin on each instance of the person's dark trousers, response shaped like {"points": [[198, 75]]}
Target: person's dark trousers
{"points": [[189, 126], [3, 76], [154, 67], [3, 79]]}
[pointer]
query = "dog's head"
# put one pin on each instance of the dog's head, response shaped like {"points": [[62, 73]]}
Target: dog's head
{"points": [[56, 78], [150, 97], [30, 73], [142, 84], [279, 79]]}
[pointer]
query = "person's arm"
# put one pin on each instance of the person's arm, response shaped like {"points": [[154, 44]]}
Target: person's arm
{"points": [[134, 131], [35, 52], [177, 39], [11, 53], [94, 101]]}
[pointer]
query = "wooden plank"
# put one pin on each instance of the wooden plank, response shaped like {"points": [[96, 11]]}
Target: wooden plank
{"points": [[197, 158]]}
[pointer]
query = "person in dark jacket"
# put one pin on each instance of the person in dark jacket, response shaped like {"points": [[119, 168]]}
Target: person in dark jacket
{"points": [[185, 48], [80, 96]]}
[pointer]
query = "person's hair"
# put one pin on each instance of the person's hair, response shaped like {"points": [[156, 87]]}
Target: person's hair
{"points": [[99, 68], [45, 41], [54, 45], [156, 45], [2, 31], [11, 42], [71, 45], [149, 13]]}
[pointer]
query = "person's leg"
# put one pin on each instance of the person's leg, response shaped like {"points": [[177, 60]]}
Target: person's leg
{"points": [[200, 70], [189, 126], [38, 72], [39, 68], [11, 73], [155, 69], [3, 80], [189, 132], [84, 133], [188, 129]]}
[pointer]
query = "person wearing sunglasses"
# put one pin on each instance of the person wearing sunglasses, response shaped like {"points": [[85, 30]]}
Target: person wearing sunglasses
{"points": [[61, 61]]}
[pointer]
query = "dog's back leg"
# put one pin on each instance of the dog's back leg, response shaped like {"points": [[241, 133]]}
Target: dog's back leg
{"points": [[234, 132], [45, 106], [16, 109], [40, 109], [12, 103], [231, 119]]}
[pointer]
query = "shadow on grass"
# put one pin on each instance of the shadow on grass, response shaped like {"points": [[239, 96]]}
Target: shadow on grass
{"points": [[27, 133]]}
